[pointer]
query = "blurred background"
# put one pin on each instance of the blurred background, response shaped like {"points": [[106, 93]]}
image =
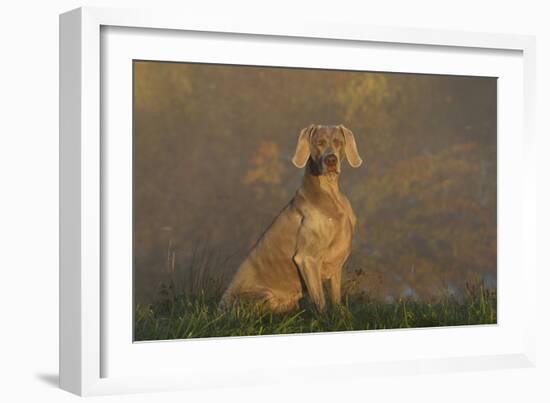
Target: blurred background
{"points": [[212, 151]]}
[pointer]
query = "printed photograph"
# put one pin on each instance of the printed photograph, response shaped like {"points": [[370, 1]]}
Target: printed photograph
{"points": [[279, 200]]}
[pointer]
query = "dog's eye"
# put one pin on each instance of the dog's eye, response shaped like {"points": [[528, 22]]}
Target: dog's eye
{"points": [[337, 142]]}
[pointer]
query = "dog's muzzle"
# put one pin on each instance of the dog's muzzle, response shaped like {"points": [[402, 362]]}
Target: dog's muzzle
{"points": [[331, 161]]}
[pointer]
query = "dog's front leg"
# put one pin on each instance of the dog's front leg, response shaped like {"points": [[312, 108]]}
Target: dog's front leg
{"points": [[310, 270], [336, 287], [309, 262]]}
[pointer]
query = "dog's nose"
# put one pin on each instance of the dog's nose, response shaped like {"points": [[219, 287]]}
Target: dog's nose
{"points": [[331, 160]]}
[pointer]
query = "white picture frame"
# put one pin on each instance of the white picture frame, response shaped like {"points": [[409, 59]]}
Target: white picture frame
{"points": [[96, 354]]}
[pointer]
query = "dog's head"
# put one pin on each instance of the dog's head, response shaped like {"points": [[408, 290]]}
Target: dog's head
{"points": [[326, 147]]}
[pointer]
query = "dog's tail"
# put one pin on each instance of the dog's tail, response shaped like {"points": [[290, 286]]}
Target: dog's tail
{"points": [[227, 300]]}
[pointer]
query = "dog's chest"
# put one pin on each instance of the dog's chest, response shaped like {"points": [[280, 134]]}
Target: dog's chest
{"points": [[337, 227], [337, 224], [330, 221], [338, 246]]}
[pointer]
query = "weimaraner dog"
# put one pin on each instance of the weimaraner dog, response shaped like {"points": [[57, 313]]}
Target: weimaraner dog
{"points": [[310, 240]]}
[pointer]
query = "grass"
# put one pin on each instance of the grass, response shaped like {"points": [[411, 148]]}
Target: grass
{"points": [[179, 316], [187, 307]]}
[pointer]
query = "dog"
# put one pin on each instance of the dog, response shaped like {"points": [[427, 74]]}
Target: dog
{"points": [[310, 240]]}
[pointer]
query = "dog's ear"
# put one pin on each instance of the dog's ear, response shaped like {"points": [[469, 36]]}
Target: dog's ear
{"points": [[301, 155], [350, 147]]}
